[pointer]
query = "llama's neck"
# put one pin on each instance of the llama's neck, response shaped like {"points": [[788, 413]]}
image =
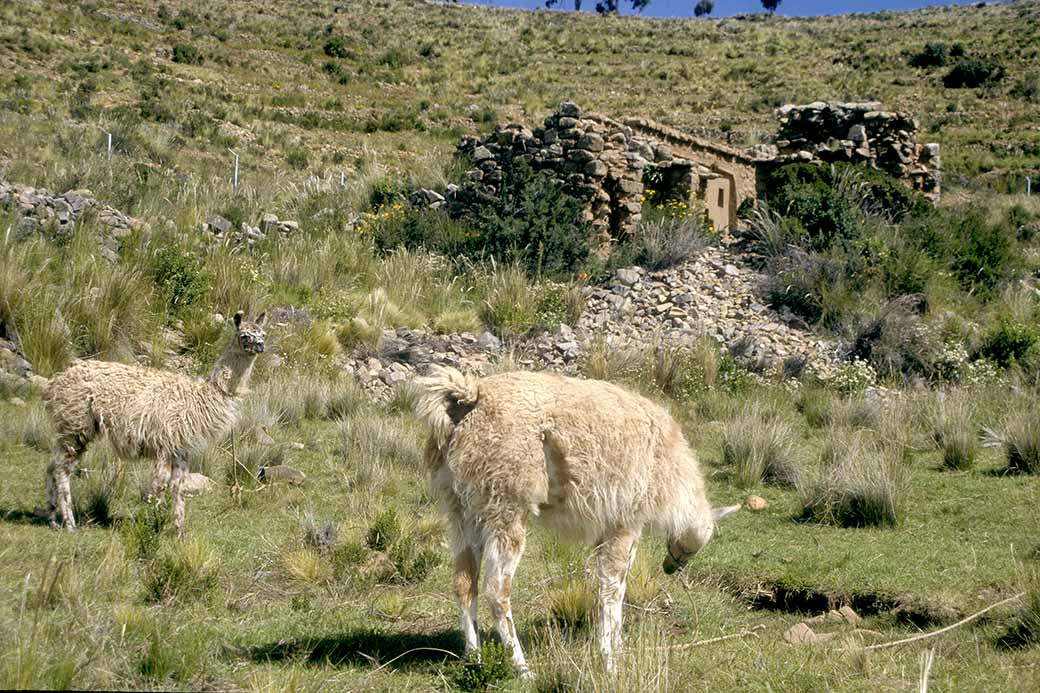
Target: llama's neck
{"points": [[232, 370]]}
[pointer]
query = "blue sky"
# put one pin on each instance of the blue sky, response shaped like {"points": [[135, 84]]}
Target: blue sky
{"points": [[723, 8]]}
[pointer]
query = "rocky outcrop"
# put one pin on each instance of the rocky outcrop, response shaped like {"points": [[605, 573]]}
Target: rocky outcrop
{"points": [[43, 212], [860, 133]]}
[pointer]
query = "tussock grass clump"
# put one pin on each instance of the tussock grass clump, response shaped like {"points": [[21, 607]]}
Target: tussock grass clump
{"points": [[319, 534], [1020, 440], [759, 449], [668, 241], [572, 605], [405, 558], [953, 433], [306, 565], [510, 301], [315, 346], [1025, 630], [36, 431], [816, 404], [182, 570], [381, 440], [860, 483]]}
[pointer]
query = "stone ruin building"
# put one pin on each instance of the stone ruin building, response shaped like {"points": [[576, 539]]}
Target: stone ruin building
{"points": [[606, 161]]}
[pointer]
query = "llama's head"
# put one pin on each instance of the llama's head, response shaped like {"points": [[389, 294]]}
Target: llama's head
{"points": [[249, 334], [683, 547]]}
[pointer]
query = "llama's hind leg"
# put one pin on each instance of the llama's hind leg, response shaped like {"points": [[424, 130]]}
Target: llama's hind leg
{"points": [[503, 551], [468, 550], [614, 559]]}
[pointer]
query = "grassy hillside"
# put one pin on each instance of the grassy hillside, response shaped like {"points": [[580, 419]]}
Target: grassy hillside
{"points": [[401, 80], [905, 486]]}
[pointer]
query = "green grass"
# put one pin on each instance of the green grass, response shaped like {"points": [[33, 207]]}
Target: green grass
{"points": [[276, 611]]}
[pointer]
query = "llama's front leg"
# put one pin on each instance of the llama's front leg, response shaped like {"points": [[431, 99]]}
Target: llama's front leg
{"points": [[180, 470], [161, 475], [614, 559], [503, 550], [59, 489]]}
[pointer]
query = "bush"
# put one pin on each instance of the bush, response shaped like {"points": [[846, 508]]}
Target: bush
{"points": [[1008, 342], [335, 47], [297, 157], [187, 54], [931, 55], [180, 278], [486, 669], [405, 561], [974, 72]]}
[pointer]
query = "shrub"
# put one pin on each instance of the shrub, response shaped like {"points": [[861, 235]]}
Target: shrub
{"points": [[187, 54], [759, 449], [859, 484], [1008, 342], [142, 530], [483, 670], [531, 222], [974, 72], [931, 55], [335, 47], [297, 157], [180, 278]]}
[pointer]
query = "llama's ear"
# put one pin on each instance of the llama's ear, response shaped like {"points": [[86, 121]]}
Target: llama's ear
{"points": [[238, 319], [719, 513], [261, 319]]}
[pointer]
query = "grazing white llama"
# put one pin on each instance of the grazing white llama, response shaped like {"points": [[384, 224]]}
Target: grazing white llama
{"points": [[146, 412], [587, 458]]}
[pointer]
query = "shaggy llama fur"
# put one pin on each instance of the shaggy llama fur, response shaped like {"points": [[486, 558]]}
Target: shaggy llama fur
{"points": [[591, 460], [146, 412]]}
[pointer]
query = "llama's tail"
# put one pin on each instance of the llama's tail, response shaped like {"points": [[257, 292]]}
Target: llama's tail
{"points": [[447, 396]]}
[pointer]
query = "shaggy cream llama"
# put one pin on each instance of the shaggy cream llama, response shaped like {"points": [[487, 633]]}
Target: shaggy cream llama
{"points": [[587, 458], [146, 412]]}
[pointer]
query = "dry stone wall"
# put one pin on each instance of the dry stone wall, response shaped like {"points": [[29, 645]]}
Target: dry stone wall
{"points": [[41, 212], [860, 133]]}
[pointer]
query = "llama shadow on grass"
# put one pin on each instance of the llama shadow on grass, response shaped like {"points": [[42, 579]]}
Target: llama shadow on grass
{"points": [[19, 516], [366, 647]]}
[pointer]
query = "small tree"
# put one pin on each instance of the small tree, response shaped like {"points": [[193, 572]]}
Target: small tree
{"points": [[703, 8], [771, 5]]}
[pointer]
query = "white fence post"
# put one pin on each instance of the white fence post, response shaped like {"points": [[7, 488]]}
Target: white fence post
{"points": [[109, 145], [234, 178]]}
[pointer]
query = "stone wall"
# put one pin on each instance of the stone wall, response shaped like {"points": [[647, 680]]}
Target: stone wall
{"points": [[40, 211], [859, 133], [597, 159]]}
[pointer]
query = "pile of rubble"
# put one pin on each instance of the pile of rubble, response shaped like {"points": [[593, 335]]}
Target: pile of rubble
{"points": [[859, 133], [224, 231], [714, 295], [42, 212]]}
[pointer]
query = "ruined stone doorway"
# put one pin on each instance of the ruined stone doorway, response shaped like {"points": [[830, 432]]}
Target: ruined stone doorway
{"points": [[718, 202]]}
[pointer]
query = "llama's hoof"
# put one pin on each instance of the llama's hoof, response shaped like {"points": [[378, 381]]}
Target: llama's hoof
{"points": [[54, 524], [71, 529], [526, 674]]}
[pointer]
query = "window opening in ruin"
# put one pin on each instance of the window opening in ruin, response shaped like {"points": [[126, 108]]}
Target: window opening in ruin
{"points": [[722, 197]]}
